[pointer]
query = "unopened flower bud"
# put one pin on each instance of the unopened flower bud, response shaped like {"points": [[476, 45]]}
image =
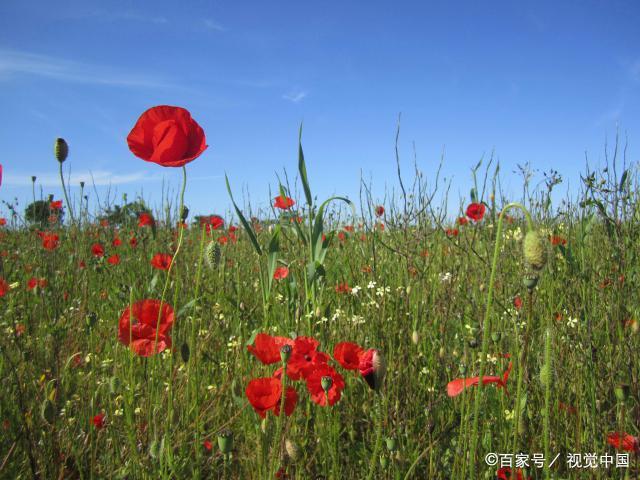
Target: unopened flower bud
{"points": [[61, 149], [622, 392], [415, 338]]}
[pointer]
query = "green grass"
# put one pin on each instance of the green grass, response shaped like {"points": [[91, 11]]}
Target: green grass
{"points": [[418, 296]]}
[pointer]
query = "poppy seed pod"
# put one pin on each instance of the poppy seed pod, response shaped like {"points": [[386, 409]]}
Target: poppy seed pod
{"points": [[373, 368], [61, 149], [534, 251], [326, 382], [225, 441], [285, 353]]}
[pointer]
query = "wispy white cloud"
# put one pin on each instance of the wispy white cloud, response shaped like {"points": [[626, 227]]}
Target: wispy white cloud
{"points": [[213, 25], [99, 177], [13, 62], [295, 96]]}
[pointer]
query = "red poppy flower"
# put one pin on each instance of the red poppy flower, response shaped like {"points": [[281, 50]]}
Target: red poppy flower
{"points": [[140, 334], [305, 358], [280, 273], [267, 348], [475, 211], [373, 368], [348, 355], [348, 228], [36, 282], [223, 240], [145, 220], [624, 441], [116, 242], [98, 421], [133, 242], [343, 288], [505, 473], [341, 236], [55, 205], [457, 386], [216, 222], [104, 222], [462, 221], [264, 395], [517, 302], [167, 136], [379, 211], [314, 385], [207, 445], [4, 287], [451, 232], [161, 261], [114, 259], [3, 222], [20, 329], [50, 241], [557, 240], [283, 203], [97, 250]]}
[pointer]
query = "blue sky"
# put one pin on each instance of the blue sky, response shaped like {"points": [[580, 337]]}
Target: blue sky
{"points": [[538, 82]]}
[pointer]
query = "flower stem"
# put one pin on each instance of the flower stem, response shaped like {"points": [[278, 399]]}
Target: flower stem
{"points": [[486, 331]]}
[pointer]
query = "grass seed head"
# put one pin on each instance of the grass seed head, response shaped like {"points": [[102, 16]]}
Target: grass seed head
{"points": [[534, 250]]}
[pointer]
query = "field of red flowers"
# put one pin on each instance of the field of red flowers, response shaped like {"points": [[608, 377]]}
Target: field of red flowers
{"points": [[313, 341]]}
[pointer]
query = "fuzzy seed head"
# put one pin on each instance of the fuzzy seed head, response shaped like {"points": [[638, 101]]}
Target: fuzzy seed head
{"points": [[534, 250]]}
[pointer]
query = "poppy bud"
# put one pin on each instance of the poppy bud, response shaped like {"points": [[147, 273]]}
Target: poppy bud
{"points": [[61, 149], [373, 368], [326, 382], [33, 179], [185, 213], [535, 253], [383, 461], [415, 338], [293, 452], [285, 353], [225, 441], [81, 184]]}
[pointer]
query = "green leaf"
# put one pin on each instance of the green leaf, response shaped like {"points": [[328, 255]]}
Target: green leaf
{"points": [[302, 168], [186, 307], [245, 224], [318, 227], [474, 196]]}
